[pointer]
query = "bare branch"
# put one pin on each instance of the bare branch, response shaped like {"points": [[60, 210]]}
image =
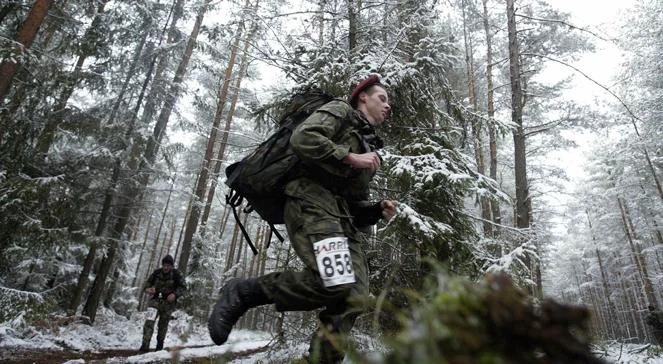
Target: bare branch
{"points": [[587, 77], [567, 24]]}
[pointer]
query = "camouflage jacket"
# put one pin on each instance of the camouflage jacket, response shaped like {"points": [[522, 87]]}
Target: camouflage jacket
{"points": [[655, 320], [321, 142], [166, 283]]}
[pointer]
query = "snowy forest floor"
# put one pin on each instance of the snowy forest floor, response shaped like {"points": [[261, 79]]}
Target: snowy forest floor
{"points": [[115, 339]]}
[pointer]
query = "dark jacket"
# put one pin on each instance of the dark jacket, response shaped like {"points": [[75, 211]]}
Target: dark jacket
{"points": [[166, 283]]}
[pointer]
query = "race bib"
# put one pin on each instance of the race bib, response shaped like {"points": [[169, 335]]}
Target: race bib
{"points": [[152, 313], [334, 261]]}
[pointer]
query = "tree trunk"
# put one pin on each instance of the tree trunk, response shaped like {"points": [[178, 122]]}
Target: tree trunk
{"points": [[231, 249], [110, 292], [24, 37], [492, 134], [240, 245], [89, 259], [637, 256], [47, 135], [153, 146], [201, 184], [244, 63], [522, 188], [110, 195], [631, 305], [476, 125], [142, 253], [158, 85], [353, 14], [224, 220], [523, 202], [321, 23], [657, 181], [179, 238]]}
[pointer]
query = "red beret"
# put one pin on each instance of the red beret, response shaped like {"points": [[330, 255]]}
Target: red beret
{"points": [[363, 85]]}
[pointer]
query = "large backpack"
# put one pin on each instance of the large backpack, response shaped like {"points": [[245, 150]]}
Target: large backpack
{"points": [[261, 176]]}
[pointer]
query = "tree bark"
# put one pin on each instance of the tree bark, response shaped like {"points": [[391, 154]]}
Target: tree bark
{"points": [[224, 221], [637, 256], [231, 249], [244, 63], [321, 23], [240, 245], [203, 176], [353, 14], [492, 134], [24, 38], [158, 85], [142, 253], [476, 124], [657, 181], [523, 202], [523, 206]]}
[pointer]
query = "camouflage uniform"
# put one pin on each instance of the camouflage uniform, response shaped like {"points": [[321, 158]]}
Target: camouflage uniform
{"points": [[329, 200], [164, 284], [655, 320]]}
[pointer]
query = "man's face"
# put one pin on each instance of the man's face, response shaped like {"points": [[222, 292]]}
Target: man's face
{"points": [[167, 267], [375, 105]]}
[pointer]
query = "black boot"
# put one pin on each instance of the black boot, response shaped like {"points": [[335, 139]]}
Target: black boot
{"points": [[159, 345], [237, 297]]}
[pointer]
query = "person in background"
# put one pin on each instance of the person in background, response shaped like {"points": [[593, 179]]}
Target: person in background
{"points": [[655, 320], [165, 286]]}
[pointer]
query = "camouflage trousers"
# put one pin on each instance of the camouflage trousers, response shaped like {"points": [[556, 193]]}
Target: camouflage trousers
{"points": [[309, 221], [658, 336], [164, 310]]}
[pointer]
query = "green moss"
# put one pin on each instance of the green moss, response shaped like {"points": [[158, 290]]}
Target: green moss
{"points": [[490, 322]]}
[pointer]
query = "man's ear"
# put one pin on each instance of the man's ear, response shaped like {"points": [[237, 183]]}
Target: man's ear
{"points": [[362, 97]]}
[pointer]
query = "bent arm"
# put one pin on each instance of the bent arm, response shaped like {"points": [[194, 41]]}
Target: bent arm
{"points": [[312, 139]]}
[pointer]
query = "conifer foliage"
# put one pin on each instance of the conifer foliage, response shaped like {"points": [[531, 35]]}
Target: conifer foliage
{"points": [[118, 118]]}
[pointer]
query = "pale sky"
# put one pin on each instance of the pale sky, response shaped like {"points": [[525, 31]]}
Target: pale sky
{"points": [[602, 65]]}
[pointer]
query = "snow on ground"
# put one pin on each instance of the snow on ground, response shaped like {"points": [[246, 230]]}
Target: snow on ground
{"points": [[618, 353], [277, 354], [113, 332], [188, 340], [239, 340]]}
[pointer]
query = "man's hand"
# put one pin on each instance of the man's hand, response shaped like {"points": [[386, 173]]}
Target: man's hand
{"points": [[369, 161], [171, 297], [150, 290], [388, 209]]}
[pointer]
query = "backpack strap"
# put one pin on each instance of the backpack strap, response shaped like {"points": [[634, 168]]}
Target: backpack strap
{"points": [[272, 230], [234, 199]]}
